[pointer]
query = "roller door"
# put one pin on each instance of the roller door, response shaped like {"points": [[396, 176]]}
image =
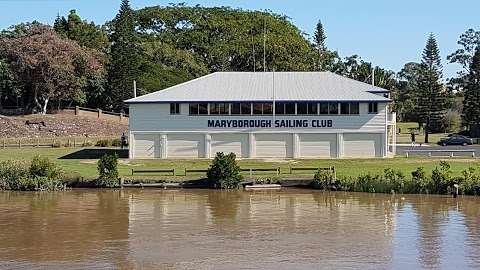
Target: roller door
{"points": [[273, 145], [317, 145], [146, 146], [229, 143], [361, 145], [185, 145]]}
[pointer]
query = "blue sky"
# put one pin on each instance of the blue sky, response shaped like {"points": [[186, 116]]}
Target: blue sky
{"points": [[387, 33]]}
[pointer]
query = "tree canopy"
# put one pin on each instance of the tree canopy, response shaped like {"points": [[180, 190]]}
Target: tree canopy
{"points": [[49, 66]]}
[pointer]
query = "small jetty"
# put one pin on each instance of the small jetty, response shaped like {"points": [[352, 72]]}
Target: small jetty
{"points": [[263, 187]]}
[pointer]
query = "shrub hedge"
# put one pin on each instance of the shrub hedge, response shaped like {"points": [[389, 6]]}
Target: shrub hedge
{"points": [[440, 181]]}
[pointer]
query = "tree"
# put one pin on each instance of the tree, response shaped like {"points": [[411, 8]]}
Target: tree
{"points": [[471, 102], [406, 93], [224, 171], [125, 57], [319, 42], [468, 41], [49, 66], [85, 34], [431, 96], [9, 87]]}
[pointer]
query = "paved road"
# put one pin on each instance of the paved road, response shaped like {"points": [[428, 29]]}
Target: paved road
{"points": [[401, 149]]}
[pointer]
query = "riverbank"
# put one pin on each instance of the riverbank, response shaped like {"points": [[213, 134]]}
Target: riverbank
{"points": [[82, 162]]}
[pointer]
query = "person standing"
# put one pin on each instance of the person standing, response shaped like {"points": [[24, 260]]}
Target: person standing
{"points": [[412, 136], [123, 140]]}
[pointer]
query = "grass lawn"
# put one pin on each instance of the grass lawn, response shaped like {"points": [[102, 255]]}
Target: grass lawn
{"points": [[404, 136], [87, 167]]}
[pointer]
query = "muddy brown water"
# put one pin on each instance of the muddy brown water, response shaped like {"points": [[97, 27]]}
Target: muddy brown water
{"points": [[209, 229]]}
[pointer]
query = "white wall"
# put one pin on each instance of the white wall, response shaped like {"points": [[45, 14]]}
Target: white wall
{"points": [[156, 118]]}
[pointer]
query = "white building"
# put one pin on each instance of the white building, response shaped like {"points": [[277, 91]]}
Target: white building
{"points": [[263, 115]]}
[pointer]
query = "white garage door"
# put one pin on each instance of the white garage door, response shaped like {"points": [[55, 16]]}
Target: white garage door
{"points": [[361, 145], [317, 145], [146, 146], [273, 145], [185, 145], [229, 143]]}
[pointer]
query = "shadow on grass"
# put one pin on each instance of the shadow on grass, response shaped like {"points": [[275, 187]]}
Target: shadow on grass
{"points": [[95, 153]]}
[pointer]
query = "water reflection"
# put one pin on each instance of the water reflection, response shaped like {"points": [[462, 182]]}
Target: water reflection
{"points": [[200, 229]]}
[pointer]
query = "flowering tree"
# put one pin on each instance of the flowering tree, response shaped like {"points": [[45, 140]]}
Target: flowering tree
{"points": [[49, 66]]}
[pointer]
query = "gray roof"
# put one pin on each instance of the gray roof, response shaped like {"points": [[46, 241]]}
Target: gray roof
{"points": [[266, 86]]}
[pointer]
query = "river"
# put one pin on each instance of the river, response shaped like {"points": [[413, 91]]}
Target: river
{"points": [[210, 229]]}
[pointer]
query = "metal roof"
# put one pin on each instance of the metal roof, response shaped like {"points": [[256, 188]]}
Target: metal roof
{"points": [[266, 86]]}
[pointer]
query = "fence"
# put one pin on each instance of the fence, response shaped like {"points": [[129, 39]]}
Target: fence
{"points": [[251, 171], [430, 153], [96, 113], [52, 142]]}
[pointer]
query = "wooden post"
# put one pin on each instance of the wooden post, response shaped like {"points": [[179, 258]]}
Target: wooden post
{"points": [[278, 170], [132, 172], [38, 142], [174, 172], [19, 143], [406, 154], [451, 154], [77, 110], [99, 113], [185, 171]]}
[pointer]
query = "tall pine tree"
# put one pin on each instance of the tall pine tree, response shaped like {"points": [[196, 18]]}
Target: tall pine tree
{"points": [[471, 102], [125, 56], [319, 40], [431, 96]]}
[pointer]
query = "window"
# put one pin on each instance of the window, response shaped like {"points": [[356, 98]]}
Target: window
{"points": [[235, 108], [332, 108], [302, 108], [174, 108], [193, 108], [202, 108], [354, 108], [345, 108], [267, 108], [289, 108], [219, 108], [349, 108], [372, 107], [323, 108], [262, 108], [245, 108], [257, 108], [312, 108], [279, 108]]}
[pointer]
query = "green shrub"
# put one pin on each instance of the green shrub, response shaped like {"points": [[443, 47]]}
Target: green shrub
{"points": [[224, 171], [116, 143], [441, 179], [420, 181], [267, 180], [87, 143], [103, 143], [40, 175], [108, 171], [10, 172], [323, 179], [43, 167], [395, 180], [470, 182]]}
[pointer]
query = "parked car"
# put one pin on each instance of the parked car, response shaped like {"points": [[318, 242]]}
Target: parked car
{"points": [[455, 140]]}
